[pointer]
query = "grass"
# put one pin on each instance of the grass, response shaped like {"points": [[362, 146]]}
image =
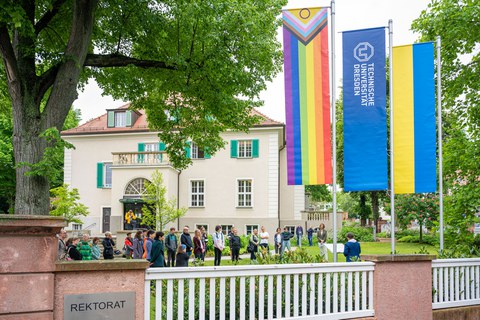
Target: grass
{"points": [[367, 248]]}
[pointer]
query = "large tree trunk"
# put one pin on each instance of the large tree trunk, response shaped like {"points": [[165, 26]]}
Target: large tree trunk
{"points": [[375, 208]]}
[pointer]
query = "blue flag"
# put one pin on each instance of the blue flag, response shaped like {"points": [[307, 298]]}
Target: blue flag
{"points": [[364, 110]]}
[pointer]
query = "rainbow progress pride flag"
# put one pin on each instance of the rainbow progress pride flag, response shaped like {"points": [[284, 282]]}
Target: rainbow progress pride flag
{"points": [[414, 132], [307, 96]]}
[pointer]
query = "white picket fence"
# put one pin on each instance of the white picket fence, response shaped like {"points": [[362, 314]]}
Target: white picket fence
{"points": [[295, 291], [455, 283]]}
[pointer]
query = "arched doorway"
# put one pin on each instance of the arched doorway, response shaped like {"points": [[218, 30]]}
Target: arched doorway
{"points": [[132, 200]]}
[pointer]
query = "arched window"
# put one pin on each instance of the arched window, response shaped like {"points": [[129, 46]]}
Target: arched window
{"points": [[136, 187]]}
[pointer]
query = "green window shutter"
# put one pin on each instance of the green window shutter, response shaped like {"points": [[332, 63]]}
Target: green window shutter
{"points": [[161, 146], [206, 154], [111, 119], [255, 144], [141, 148], [233, 149], [99, 174], [128, 118], [187, 150]]}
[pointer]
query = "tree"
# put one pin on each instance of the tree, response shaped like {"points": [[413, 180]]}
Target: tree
{"points": [[457, 22], [158, 209], [196, 67], [65, 204], [319, 193], [420, 207]]}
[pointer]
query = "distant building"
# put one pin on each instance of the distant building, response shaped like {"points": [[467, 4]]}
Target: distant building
{"points": [[243, 185]]}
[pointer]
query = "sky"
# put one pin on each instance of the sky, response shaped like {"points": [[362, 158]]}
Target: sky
{"points": [[349, 15]]}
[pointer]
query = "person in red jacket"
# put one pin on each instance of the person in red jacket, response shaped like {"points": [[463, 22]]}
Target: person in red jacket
{"points": [[198, 246]]}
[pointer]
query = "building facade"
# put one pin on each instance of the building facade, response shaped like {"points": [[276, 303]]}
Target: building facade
{"points": [[243, 185]]}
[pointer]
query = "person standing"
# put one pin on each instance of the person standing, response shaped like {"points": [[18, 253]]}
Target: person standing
{"points": [[171, 243], [138, 245], [322, 239], [149, 243], [186, 239], [128, 246], [62, 247], [278, 240], [129, 219], [182, 257], [264, 238], [253, 245], [198, 248], [205, 241], [108, 245], [286, 236], [84, 247], [218, 245], [352, 248], [72, 250], [310, 236], [299, 233], [95, 249], [157, 256], [236, 244]]}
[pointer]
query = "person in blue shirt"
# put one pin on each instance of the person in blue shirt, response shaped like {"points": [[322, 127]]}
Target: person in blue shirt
{"points": [[299, 233], [352, 248]]}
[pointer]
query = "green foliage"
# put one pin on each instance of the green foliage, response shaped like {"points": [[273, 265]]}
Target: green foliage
{"points": [[158, 210], [300, 255], [65, 204], [457, 24], [319, 193], [428, 239], [361, 234]]}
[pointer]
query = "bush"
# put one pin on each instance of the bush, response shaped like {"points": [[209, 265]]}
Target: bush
{"points": [[361, 234], [431, 240]]}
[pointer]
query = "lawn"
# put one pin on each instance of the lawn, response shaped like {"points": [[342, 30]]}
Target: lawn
{"points": [[367, 248]]}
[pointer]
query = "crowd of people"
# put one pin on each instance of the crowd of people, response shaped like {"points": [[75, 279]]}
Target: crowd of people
{"points": [[169, 250]]}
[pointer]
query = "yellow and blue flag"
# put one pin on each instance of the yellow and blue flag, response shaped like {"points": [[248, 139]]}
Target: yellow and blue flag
{"points": [[414, 131]]}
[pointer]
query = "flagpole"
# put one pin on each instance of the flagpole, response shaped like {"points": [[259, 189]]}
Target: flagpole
{"points": [[392, 190], [440, 146], [334, 132]]}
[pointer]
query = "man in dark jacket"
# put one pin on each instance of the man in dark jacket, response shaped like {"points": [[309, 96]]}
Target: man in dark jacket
{"points": [[186, 239], [108, 245], [299, 233], [235, 245], [171, 244], [352, 248]]}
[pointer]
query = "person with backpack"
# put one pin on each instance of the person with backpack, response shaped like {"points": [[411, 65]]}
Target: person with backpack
{"points": [[253, 246], [72, 252], [128, 246], [236, 244], [84, 247], [108, 246], [171, 243], [138, 245]]}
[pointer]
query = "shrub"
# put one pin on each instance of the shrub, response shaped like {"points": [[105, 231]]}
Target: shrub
{"points": [[361, 234], [431, 240]]}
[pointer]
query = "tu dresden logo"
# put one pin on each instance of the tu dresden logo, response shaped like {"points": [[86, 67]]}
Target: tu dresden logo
{"points": [[363, 52]]}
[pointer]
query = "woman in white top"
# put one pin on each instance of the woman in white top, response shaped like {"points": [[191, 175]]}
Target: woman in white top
{"points": [[264, 238], [219, 244]]}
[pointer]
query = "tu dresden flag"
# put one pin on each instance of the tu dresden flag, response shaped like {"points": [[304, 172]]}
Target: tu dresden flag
{"points": [[364, 114]]}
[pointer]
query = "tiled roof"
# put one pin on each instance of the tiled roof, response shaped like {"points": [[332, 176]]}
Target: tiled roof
{"points": [[99, 124]]}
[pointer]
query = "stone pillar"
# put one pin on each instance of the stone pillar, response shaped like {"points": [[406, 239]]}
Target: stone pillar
{"points": [[28, 250], [402, 286]]}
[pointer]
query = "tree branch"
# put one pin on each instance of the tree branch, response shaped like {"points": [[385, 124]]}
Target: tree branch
{"points": [[48, 16], [117, 60], [46, 80], [10, 62]]}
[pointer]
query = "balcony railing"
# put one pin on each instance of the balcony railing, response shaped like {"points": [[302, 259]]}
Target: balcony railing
{"points": [[140, 158], [316, 215]]}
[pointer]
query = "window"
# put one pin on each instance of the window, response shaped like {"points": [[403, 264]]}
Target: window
{"points": [[120, 119], [136, 187], [226, 228], [77, 226], [290, 229], [197, 153], [249, 228], [245, 148], [197, 193], [152, 147], [104, 175], [200, 225], [244, 193]]}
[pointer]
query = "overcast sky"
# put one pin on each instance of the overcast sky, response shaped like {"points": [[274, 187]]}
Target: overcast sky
{"points": [[350, 15]]}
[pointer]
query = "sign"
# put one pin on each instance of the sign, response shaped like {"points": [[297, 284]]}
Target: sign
{"points": [[99, 306], [364, 103]]}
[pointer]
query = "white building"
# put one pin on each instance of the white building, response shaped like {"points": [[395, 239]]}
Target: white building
{"points": [[243, 185]]}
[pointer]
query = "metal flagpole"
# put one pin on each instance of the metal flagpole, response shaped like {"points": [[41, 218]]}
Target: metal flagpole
{"points": [[440, 146], [334, 133], [392, 190]]}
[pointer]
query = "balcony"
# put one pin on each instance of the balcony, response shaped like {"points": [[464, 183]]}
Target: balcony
{"points": [[147, 158]]}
